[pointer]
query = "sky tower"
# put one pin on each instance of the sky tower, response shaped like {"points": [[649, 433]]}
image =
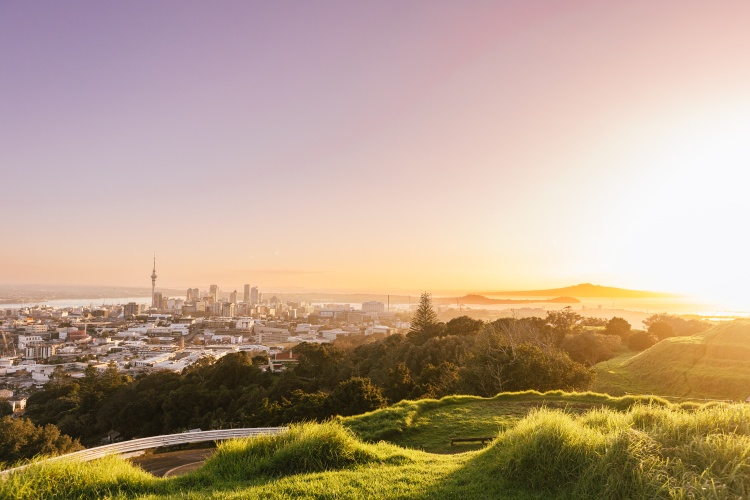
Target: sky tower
{"points": [[153, 283]]}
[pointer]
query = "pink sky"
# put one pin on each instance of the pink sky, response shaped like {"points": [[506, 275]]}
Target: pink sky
{"points": [[377, 146]]}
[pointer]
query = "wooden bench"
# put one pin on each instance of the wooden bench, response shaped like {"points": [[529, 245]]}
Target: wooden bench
{"points": [[483, 440]]}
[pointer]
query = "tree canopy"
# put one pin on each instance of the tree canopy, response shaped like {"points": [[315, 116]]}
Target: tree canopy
{"points": [[433, 360]]}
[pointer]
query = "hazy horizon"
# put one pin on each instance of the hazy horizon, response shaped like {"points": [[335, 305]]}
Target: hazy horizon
{"points": [[442, 146]]}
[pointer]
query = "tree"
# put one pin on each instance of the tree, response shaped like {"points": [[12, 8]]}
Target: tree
{"points": [[617, 326], [591, 321], [439, 381], [536, 369], [562, 323], [681, 327], [6, 408], [661, 330], [515, 331], [20, 438], [304, 406], [590, 348], [640, 341], [424, 323], [318, 364], [399, 384], [463, 325], [494, 366], [354, 396]]}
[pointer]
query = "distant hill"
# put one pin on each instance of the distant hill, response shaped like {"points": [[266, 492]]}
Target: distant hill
{"points": [[474, 299], [586, 290], [714, 364]]}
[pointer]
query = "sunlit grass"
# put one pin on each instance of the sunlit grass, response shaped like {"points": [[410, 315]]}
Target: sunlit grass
{"points": [[589, 446], [711, 365], [430, 424]]}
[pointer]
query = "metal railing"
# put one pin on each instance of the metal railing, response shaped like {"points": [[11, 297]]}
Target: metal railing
{"points": [[155, 442]]}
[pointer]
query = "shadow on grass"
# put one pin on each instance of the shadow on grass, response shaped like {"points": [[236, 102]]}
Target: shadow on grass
{"points": [[479, 478]]}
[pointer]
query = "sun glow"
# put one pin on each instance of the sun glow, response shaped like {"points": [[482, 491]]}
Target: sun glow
{"points": [[683, 216]]}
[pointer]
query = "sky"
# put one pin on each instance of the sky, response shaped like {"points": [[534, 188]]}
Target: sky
{"points": [[377, 146]]}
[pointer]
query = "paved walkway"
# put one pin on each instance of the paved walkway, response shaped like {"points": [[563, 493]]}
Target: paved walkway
{"points": [[173, 463]]}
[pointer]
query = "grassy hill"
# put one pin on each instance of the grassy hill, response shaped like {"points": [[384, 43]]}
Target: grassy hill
{"points": [[552, 445], [714, 364], [429, 424]]}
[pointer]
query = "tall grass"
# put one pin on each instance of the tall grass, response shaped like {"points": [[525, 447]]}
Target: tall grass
{"points": [[654, 450], [646, 452], [304, 448], [109, 477]]}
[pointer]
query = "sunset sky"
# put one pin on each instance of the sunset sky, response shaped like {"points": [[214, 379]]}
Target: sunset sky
{"points": [[376, 146]]}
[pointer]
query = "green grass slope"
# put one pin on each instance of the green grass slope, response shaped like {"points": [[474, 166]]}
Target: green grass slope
{"points": [[714, 364], [429, 424], [620, 449]]}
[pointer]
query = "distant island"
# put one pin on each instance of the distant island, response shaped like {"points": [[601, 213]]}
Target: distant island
{"points": [[587, 290], [475, 299]]}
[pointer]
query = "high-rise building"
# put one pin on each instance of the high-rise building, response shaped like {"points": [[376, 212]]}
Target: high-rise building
{"points": [[153, 283], [131, 309], [246, 295], [227, 310], [213, 291], [157, 301], [233, 297], [254, 295]]}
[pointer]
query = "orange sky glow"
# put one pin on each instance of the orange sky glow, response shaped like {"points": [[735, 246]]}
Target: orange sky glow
{"points": [[378, 147]]}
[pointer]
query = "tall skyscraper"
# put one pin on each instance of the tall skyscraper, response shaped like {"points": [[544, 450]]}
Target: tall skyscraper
{"points": [[213, 291], [254, 295], [153, 284], [233, 297], [246, 295]]}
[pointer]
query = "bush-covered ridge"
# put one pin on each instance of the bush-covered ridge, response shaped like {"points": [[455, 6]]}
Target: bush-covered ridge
{"points": [[621, 448]]}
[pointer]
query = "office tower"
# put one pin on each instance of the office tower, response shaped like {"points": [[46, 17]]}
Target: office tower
{"points": [[246, 295], [233, 297], [213, 291], [254, 295]]}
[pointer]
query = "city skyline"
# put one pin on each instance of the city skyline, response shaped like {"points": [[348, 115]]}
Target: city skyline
{"points": [[378, 147]]}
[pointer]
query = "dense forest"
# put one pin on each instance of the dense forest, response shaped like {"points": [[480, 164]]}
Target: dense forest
{"points": [[353, 375]]}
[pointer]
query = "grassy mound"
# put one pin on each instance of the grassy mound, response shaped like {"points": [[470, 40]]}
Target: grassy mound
{"points": [[109, 477], [304, 448], [429, 424], [646, 452], [714, 364]]}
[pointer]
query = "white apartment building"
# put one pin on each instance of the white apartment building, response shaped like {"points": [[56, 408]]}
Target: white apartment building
{"points": [[31, 329], [28, 339], [271, 335], [373, 307], [245, 324]]}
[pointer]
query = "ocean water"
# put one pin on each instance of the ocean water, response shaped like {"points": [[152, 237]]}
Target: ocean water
{"points": [[62, 303]]}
